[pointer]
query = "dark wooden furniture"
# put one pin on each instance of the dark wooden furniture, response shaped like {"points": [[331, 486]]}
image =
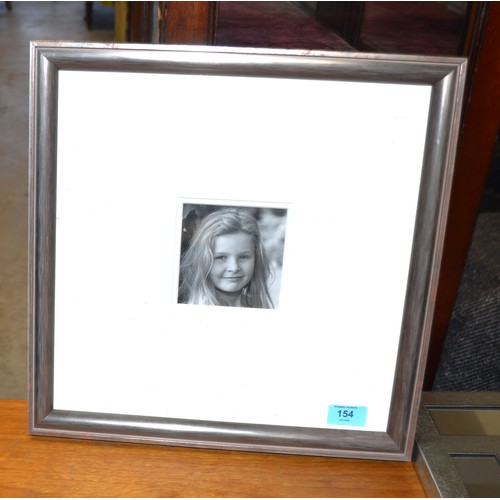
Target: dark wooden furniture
{"points": [[56, 467], [480, 127], [192, 23], [345, 18]]}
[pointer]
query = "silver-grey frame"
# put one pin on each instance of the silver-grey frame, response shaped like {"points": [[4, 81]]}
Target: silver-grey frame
{"points": [[446, 76], [434, 451]]}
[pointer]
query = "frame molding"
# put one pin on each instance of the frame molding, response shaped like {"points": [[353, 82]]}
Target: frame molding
{"points": [[445, 76]]}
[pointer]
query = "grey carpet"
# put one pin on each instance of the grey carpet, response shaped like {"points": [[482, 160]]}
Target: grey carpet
{"points": [[470, 360]]}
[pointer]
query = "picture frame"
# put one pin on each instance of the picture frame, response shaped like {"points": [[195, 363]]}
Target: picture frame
{"points": [[356, 149], [457, 444]]}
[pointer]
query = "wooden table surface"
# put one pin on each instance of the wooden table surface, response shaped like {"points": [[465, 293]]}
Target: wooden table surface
{"points": [[56, 467]]}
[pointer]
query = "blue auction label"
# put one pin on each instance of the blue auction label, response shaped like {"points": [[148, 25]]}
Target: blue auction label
{"points": [[347, 415]]}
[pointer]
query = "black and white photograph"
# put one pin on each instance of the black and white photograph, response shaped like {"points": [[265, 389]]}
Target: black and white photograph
{"points": [[231, 255]]}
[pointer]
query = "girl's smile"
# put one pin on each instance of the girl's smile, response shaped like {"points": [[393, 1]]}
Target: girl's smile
{"points": [[234, 262]]}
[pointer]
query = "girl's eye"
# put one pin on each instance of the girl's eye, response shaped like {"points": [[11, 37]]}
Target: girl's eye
{"points": [[220, 257]]}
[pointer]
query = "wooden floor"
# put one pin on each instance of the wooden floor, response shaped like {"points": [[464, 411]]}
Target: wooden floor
{"points": [[56, 467]]}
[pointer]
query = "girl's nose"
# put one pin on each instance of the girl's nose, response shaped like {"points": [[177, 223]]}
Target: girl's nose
{"points": [[232, 265]]}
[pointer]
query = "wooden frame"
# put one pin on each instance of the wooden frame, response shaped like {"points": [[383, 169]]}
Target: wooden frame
{"points": [[423, 137]]}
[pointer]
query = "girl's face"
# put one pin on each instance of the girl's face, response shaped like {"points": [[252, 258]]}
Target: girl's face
{"points": [[234, 262]]}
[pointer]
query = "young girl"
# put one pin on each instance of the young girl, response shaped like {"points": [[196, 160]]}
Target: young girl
{"points": [[226, 263]]}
